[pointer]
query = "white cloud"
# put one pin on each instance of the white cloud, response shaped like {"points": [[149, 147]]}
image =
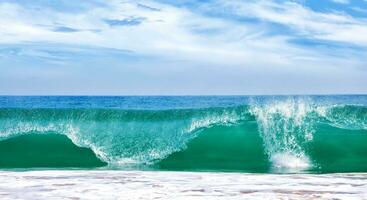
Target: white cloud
{"points": [[326, 26], [172, 32], [176, 33]]}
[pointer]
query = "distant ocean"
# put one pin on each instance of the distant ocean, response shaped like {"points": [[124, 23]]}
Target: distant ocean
{"points": [[252, 134]]}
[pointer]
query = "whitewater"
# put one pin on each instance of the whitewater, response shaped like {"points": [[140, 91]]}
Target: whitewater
{"points": [[101, 184]]}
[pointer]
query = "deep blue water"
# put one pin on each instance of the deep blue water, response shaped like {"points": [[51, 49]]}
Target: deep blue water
{"points": [[160, 102]]}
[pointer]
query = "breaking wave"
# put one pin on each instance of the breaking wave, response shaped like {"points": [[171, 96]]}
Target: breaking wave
{"points": [[286, 135]]}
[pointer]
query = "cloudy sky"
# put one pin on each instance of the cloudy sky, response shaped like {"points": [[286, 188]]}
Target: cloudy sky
{"points": [[180, 47]]}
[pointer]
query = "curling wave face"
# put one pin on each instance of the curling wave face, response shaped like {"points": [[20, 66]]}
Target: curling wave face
{"points": [[288, 134]]}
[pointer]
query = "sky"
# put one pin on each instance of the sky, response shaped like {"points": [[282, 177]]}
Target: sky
{"points": [[183, 47]]}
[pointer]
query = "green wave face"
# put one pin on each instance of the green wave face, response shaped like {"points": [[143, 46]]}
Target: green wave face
{"points": [[45, 150], [231, 149], [292, 135], [221, 148]]}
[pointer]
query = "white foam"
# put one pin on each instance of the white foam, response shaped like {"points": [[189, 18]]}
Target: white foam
{"points": [[90, 184], [227, 117], [289, 162], [285, 127]]}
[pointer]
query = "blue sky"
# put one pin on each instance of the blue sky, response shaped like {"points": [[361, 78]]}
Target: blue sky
{"points": [[197, 47]]}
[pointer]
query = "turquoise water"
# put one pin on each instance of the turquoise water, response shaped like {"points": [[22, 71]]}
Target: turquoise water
{"points": [[260, 134]]}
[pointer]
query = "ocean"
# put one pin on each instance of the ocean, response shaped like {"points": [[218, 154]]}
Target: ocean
{"points": [[265, 136], [257, 134]]}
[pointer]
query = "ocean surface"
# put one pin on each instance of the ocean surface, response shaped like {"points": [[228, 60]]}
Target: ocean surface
{"points": [[247, 134]]}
